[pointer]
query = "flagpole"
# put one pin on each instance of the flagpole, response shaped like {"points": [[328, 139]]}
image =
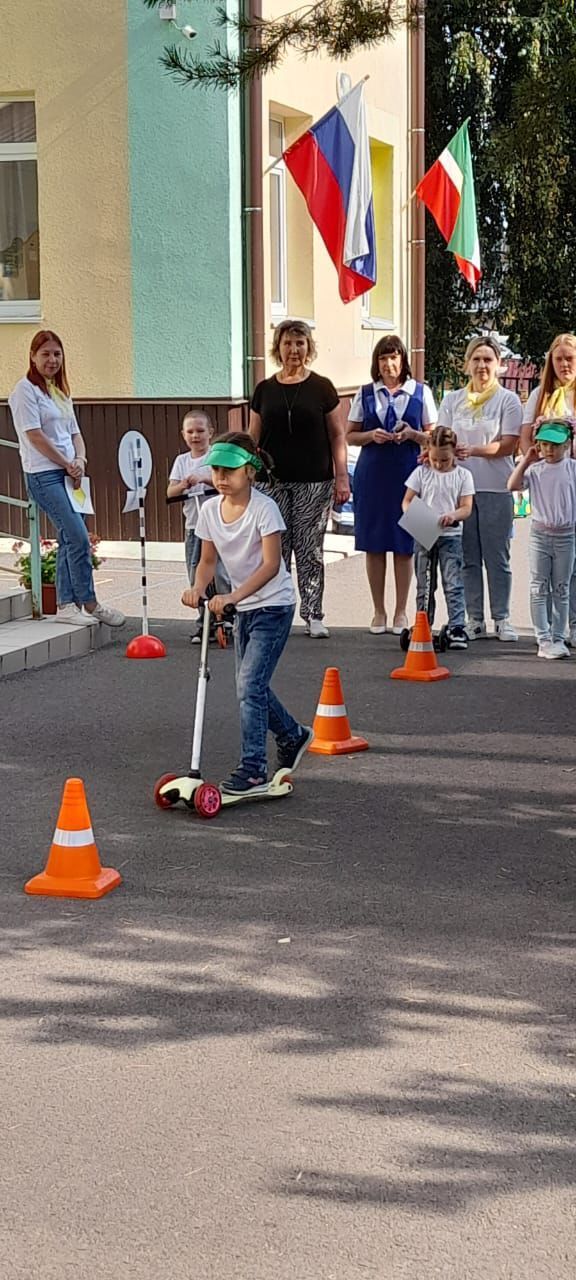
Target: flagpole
{"points": [[417, 212]]}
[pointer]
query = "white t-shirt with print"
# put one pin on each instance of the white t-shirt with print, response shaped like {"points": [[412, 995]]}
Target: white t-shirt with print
{"points": [[531, 405], [499, 416], [399, 400], [239, 546], [442, 492], [552, 488], [186, 465], [32, 410]]}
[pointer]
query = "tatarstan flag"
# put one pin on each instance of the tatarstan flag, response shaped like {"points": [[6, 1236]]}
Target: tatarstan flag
{"points": [[447, 190]]}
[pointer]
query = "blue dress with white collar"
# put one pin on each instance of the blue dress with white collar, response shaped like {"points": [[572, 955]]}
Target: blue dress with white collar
{"points": [[381, 474]]}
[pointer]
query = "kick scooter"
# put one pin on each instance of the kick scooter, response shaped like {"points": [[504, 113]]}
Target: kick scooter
{"points": [[205, 797], [440, 641]]}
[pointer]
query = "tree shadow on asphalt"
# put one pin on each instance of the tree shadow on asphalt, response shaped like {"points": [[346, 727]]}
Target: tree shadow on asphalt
{"points": [[392, 903], [534, 1127]]}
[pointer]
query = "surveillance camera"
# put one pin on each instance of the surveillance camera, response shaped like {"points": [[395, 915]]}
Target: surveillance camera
{"points": [[189, 32]]}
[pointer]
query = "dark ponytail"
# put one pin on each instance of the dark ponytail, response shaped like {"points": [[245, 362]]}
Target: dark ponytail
{"points": [[245, 441]]}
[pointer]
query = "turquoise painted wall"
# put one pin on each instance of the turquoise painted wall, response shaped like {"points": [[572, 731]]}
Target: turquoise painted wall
{"points": [[185, 217]]}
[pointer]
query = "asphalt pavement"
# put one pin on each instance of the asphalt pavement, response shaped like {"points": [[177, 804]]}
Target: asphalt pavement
{"points": [[322, 1038]]}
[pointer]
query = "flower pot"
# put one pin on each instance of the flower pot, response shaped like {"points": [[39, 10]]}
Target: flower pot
{"points": [[49, 603]]}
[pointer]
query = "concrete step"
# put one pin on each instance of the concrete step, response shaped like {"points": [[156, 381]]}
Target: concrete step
{"points": [[27, 643], [15, 603]]}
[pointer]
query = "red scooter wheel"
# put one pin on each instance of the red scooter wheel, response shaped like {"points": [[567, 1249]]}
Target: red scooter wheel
{"points": [[165, 802], [207, 800]]}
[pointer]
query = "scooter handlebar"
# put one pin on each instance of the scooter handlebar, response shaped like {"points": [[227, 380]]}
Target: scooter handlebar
{"points": [[228, 611]]}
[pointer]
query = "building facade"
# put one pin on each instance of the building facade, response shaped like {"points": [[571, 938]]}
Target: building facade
{"points": [[122, 206]]}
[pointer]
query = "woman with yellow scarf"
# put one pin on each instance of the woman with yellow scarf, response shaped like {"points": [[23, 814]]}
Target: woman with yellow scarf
{"points": [[487, 420], [555, 397]]}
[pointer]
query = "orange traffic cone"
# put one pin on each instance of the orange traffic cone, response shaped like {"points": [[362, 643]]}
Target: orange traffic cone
{"points": [[73, 869], [332, 732], [421, 662]]}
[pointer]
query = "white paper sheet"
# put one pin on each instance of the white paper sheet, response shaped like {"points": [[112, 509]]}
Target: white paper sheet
{"points": [[422, 523], [79, 495], [131, 503]]}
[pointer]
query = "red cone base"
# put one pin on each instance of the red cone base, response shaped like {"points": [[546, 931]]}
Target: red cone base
{"points": [[146, 647]]}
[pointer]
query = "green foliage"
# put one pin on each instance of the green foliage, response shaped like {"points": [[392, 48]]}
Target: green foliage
{"points": [[48, 551], [334, 28], [510, 66]]}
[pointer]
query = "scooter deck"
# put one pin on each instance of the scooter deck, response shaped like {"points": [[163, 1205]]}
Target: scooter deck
{"points": [[280, 785]]}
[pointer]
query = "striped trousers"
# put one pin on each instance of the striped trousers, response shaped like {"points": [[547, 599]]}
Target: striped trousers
{"points": [[305, 509]]}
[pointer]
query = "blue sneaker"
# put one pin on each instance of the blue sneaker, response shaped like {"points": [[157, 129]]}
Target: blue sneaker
{"points": [[241, 782], [290, 755]]}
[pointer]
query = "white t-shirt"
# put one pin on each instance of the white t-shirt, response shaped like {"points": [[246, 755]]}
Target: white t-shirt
{"points": [[186, 465], [399, 401], [501, 415], [531, 405], [239, 546], [442, 491], [552, 488], [32, 410]]}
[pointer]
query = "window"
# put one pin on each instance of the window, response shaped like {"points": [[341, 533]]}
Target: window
{"points": [[378, 303], [278, 291], [19, 238]]}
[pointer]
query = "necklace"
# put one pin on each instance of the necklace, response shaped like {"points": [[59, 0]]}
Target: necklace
{"points": [[290, 403]]}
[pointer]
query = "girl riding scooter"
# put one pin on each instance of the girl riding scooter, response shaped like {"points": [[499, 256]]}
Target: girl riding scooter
{"points": [[243, 527]]}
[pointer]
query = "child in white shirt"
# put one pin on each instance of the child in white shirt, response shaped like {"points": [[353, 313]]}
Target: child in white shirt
{"points": [[190, 477], [244, 527], [448, 489], [550, 475]]}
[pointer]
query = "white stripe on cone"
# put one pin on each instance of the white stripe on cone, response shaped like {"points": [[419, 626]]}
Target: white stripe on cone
{"points": [[324, 710], [73, 839], [421, 646]]}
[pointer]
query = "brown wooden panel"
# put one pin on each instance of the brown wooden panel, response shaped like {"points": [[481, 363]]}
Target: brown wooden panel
{"points": [[103, 423]]}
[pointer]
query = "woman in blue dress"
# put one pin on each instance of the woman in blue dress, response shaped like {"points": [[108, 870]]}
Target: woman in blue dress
{"points": [[389, 418]]}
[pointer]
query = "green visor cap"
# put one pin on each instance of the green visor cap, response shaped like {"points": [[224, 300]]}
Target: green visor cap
{"points": [[554, 432], [232, 455]]}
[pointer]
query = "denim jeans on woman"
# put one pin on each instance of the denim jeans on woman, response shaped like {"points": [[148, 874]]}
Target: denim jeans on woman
{"points": [[450, 562], [260, 636], [74, 576], [486, 540], [551, 563]]}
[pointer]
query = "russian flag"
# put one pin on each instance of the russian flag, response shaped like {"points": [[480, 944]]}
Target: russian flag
{"points": [[330, 164]]}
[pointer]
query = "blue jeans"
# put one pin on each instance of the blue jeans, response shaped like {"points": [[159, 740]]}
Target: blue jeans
{"points": [[551, 563], [260, 636], [486, 540], [450, 560], [74, 577], [193, 551]]}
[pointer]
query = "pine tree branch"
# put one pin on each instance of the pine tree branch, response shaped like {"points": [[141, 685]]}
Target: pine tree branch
{"points": [[332, 28]]}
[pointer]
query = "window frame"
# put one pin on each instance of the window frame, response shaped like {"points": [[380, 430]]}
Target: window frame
{"points": [[277, 171], [25, 310]]}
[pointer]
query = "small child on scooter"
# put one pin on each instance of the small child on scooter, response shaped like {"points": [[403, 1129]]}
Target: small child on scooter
{"points": [[243, 527], [189, 476], [447, 488]]}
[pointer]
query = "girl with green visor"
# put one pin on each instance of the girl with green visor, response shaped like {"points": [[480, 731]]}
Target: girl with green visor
{"points": [[243, 527]]}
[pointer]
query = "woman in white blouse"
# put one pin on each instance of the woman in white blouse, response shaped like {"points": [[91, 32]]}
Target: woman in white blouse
{"points": [[487, 420], [555, 397], [52, 448]]}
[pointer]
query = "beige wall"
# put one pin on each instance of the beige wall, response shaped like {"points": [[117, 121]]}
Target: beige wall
{"points": [[306, 89], [71, 56]]}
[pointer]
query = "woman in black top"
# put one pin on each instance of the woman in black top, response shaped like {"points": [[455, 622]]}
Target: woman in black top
{"points": [[295, 417]]}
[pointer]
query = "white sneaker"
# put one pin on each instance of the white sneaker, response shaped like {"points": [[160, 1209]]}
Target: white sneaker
{"points": [[572, 636], [71, 615], [544, 649], [476, 629], [317, 629], [110, 617], [503, 631], [558, 650]]}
